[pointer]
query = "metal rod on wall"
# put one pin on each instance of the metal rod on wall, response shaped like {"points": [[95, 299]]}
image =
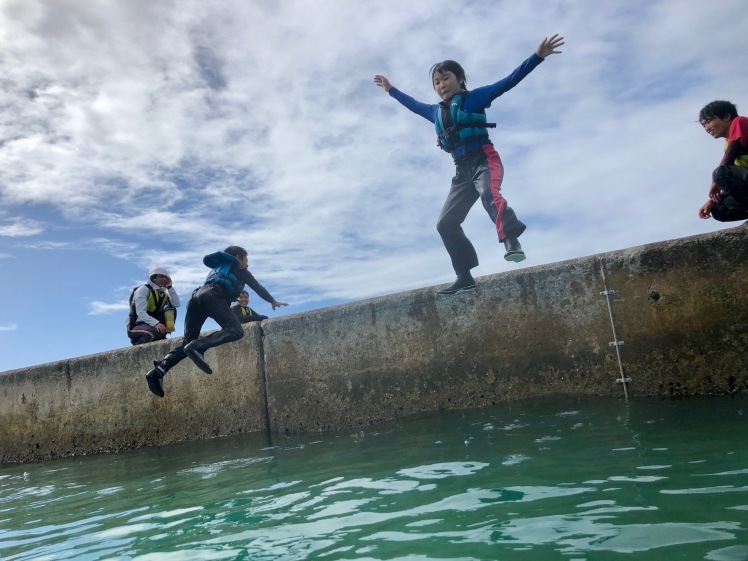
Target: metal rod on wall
{"points": [[615, 342]]}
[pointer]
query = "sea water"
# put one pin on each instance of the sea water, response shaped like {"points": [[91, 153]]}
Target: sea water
{"points": [[587, 479]]}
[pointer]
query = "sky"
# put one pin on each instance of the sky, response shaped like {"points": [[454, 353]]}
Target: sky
{"points": [[141, 133]]}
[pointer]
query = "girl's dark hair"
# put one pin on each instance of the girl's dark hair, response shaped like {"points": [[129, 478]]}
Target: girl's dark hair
{"points": [[449, 66], [236, 251], [719, 109]]}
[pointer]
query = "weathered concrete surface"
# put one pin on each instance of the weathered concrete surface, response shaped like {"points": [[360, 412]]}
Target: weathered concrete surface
{"points": [[101, 402], [679, 307]]}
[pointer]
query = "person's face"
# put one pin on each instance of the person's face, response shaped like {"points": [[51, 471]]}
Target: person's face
{"points": [[243, 300], [446, 84], [717, 127], [243, 262], [162, 280]]}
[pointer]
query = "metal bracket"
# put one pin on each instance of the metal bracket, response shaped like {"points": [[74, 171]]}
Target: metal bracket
{"points": [[615, 344], [608, 293], [623, 380]]}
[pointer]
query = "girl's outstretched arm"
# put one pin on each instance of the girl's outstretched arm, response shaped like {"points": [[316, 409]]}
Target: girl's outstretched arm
{"points": [[481, 98], [548, 46], [382, 82], [423, 109]]}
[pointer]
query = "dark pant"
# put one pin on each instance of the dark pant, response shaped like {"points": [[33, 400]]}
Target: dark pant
{"points": [[208, 301], [477, 176], [733, 180], [141, 333]]}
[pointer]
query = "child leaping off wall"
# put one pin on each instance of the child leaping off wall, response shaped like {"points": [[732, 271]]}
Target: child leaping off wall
{"points": [[461, 130]]}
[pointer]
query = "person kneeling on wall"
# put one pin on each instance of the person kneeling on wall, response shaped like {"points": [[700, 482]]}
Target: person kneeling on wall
{"points": [[152, 308]]}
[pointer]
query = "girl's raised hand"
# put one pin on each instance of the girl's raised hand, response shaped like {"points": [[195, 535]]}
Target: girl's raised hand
{"points": [[382, 82], [549, 46]]}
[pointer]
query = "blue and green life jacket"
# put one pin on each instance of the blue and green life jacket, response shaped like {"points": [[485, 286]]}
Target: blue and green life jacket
{"points": [[459, 132], [222, 276], [157, 302]]}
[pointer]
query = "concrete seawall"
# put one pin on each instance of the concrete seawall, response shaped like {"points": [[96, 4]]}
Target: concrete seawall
{"points": [[678, 306]]}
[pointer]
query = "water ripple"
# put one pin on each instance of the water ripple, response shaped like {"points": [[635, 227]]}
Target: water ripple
{"points": [[614, 487], [440, 471]]}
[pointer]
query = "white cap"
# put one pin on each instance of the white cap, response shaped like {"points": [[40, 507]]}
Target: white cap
{"points": [[157, 271]]}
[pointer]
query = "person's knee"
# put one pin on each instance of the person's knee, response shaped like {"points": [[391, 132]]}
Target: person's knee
{"points": [[235, 332], [721, 176], [730, 178], [444, 225], [145, 333], [721, 213], [140, 336]]}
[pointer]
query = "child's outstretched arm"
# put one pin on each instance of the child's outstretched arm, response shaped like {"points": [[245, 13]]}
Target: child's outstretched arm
{"points": [[548, 46], [419, 108], [382, 82], [482, 97]]}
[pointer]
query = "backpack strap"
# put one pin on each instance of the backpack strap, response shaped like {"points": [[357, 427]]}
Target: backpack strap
{"points": [[159, 302]]}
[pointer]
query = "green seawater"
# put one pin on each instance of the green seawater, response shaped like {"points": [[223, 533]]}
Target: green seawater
{"points": [[582, 479]]}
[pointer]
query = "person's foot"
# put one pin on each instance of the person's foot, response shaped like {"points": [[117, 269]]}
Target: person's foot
{"points": [[155, 379], [197, 357], [514, 251], [463, 283]]}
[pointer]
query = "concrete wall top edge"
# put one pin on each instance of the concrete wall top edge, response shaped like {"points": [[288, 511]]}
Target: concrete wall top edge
{"points": [[106, 355], [630, 257]]}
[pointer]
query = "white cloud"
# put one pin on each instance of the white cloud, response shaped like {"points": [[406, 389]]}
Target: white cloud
{"points": [[97, 308], [21, 228], [11, 327]]}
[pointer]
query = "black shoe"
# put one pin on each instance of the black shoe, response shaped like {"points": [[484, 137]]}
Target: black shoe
{"points": [[155, 379], [197, 357], [513, 250], [462, 284]]}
